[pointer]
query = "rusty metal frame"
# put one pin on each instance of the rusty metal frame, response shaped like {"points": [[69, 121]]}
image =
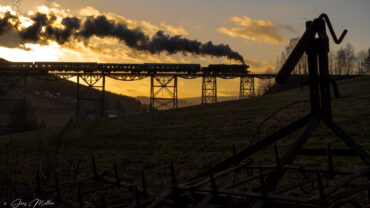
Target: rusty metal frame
{"points": [[87, 96], [163, 92], [246, 87], [209, 88]]}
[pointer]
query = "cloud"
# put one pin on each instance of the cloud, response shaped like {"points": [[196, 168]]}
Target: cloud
{"points": [[179, 30], [259, 66], [286, 27], [147, 27], [266, 31]]}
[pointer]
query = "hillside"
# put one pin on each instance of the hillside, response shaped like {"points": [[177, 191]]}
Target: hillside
{"points": [[186, 102], [192, 137], [54, 102]]}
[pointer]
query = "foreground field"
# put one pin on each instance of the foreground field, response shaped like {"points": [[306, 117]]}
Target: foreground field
{"points": [[193, 138]]}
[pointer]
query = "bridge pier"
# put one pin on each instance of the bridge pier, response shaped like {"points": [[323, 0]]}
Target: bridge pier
{"points": [[90, 103], [163, 92], [246, 87], [209, 89], [12, 94]]}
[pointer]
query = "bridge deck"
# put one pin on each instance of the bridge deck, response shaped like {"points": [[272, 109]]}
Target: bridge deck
{"points": [[113, 69], [69, 69]]}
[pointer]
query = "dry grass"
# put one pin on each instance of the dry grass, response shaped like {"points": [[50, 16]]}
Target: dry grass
{"points": [[192, 137]]}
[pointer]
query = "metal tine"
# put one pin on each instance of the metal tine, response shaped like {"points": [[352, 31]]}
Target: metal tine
{"points": [[173, 176], [38, 183], [116, 175], [237, 170], [94, 167], [174, 185], [77, 169], [213, 181], [234, 153], [234, 150], [143, 183], [104, 204], [323, 200], [262, 181], [80, 201], [57, 188], [330, 162], [277, 157], [137, 197], [229, 202]]}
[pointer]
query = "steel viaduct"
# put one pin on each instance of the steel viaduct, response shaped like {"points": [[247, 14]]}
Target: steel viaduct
{"points": [[163, 78]]}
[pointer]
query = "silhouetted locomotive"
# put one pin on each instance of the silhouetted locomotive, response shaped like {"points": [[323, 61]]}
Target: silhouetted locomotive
{"points": [[226, 68]]}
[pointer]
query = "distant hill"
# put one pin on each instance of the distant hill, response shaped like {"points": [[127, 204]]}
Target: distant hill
{"points": [[292, 83], [288, 85], [186, 102], [4, 61], [54, 102]]}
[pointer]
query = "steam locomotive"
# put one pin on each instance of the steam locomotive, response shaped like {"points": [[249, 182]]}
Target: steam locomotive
{"points": [[226, 68]]}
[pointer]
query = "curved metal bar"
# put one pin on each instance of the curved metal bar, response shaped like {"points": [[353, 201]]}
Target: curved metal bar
{"points": [[189, 76], [265, 76], [327, 20], [126, 77], [227, 77], [91, 79], [307, 176]]}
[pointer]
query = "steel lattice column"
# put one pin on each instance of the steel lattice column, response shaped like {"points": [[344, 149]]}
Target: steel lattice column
{"points": [[12, 93], [209, 89], [90, 98], [163, 92], [246, 87]]}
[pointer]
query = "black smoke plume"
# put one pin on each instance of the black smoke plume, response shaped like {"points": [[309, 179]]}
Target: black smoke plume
{"points": [[71, 25], [33, 32], [6, 23], [42, 29]]}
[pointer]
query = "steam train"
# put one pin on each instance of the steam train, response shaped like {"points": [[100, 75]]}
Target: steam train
{"points": [[195, 68], [151, 68]]}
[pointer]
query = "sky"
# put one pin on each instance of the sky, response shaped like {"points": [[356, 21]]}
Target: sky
{"points": [[257, 29]]}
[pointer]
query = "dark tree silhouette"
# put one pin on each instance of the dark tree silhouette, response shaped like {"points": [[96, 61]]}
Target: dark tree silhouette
{"points": [[23, 119], [367, 62]]}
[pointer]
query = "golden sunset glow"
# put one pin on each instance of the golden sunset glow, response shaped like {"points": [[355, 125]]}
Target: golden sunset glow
{"points": [[34, 52], [259, 38]]}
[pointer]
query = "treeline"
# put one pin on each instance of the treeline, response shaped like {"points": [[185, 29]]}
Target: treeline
{"points": [[53, 103], [114, 103], [345, 61]]}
